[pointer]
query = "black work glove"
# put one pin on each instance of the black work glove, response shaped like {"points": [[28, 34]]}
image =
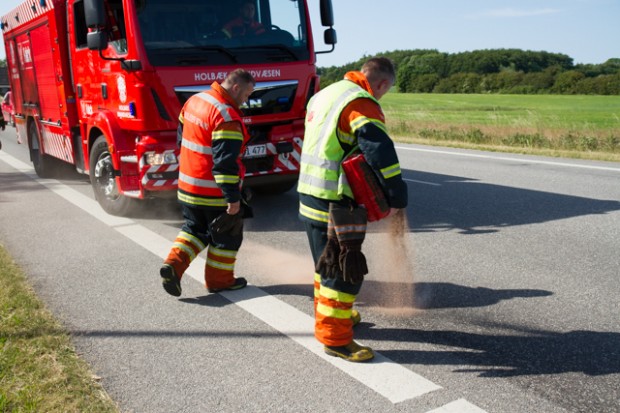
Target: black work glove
{"points": [[227, 224], [327, 265], [353, 263], [2, 124], [350, 225]]}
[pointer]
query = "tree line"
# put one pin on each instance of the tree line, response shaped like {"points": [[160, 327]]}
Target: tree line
{"points": [[511, 71]]}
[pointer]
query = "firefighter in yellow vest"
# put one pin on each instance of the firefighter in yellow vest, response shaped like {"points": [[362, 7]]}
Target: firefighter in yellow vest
{"points": [[343, 117], [210, 176]]}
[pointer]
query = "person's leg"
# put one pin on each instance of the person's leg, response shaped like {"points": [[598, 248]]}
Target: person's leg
{"points": [[333, 306], [317, 238], [221, 257], [190, 241]]}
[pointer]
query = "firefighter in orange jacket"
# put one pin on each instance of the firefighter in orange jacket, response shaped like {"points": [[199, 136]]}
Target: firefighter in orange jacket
{"points": [[344, 116], [210, 175]]}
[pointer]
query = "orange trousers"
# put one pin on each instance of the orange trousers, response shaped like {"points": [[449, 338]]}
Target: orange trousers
{"points": [[333, 298]]}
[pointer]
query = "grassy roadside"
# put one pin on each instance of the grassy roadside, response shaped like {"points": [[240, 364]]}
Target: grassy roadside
{"points": [[581, 127], [39, 368]]}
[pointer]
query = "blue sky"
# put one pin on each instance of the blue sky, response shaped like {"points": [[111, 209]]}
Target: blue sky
{"points": [[586, 30]]}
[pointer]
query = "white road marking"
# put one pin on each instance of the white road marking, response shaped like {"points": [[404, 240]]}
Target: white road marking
{"points": [[389, 379], [421, 182], [458, 406], [506, 158]]}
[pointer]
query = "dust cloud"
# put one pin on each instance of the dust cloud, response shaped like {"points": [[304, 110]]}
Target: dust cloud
{"points": [[389, 287], [277, 265]]}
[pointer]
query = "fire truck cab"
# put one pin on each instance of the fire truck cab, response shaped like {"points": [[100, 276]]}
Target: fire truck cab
{"points": [[100, 83]]}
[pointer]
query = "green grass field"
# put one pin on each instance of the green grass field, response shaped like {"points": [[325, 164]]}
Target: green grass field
{"points": [[577, 126]]}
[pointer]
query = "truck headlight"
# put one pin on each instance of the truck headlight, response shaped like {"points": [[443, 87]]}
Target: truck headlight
{"points": [[153, 158]]}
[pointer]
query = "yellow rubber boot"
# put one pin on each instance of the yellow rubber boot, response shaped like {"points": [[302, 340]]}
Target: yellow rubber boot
{"points": [[351, 352]]}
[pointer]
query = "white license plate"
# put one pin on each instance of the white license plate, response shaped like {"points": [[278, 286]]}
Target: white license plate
{"points": [[255, 151]]}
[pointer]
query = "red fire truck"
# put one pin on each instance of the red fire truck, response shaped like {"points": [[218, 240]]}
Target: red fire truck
{"points": [[100, 83]]}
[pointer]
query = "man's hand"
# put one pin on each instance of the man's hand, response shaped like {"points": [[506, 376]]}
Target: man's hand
{"points": [[233, 209]]}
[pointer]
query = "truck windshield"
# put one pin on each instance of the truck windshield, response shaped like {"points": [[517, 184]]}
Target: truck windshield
{"points": [[216, 32]]}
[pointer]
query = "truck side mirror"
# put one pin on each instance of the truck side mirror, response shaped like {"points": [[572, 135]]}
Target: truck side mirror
{"points": [[97, 40], [330, 36], [94, 13], [327, 13], [327, 19]]}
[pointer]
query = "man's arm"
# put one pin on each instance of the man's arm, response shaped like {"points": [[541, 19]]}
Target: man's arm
{"points": [[227, 143], [364, 120]]}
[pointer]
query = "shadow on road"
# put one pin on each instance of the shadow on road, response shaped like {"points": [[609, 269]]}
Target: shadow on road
{"points": [[436, 295], [470, 207], [539, 352], [422, 295]]}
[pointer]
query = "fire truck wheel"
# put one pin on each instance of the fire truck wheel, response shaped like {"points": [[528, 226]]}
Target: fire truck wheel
{"points": [[102, 179], [43, 164]]}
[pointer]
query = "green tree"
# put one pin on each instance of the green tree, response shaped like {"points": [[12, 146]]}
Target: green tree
{"points": [[566, 82]]}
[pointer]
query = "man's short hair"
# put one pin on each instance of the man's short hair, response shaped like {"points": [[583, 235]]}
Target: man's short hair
{"points": [[241, 76], [379, 68]]}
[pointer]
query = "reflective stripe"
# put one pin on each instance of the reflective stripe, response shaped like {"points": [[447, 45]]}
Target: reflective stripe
{"points": [[363, 120], [317, 182], [186, 249], [203, 183], [391, 171], [333, 312], [226, 179], [193, 146], [220, 265], [191, 239], [201, 201], [337, 295], [222, 253], [312, 213], [345, 229], [319, 162], [220, 106], [227, 134], [346, 138]]}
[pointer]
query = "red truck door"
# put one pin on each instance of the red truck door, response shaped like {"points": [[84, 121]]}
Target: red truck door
{"points": [[42, 54]]}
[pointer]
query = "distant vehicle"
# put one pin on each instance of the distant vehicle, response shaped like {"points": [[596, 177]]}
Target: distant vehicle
{"points": [[7, 109]]}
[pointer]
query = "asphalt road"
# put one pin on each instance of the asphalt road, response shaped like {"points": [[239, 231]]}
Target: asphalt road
{"points": [[502, 296]]}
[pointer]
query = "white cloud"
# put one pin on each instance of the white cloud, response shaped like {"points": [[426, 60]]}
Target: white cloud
{"points": [[510, 12]]}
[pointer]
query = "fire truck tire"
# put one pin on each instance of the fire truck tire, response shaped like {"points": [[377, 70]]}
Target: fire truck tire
{"points": [[102, 179], [43, 164]]}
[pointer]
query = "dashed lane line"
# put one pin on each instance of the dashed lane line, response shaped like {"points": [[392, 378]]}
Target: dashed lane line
{"points": [[386, 377]]}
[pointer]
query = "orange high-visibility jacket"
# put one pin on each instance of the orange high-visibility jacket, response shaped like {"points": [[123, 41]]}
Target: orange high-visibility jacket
{"points": [[212, 124]]}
